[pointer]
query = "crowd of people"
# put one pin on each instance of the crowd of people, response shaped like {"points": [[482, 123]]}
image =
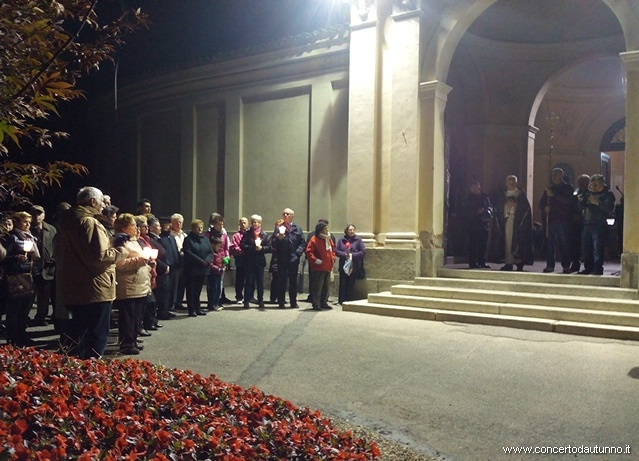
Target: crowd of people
{"points": [[575, 225], [100, 268]]}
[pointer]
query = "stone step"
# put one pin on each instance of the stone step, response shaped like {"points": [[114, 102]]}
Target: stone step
{"points": [[565, 303], [521, 322], [521, 286], [584, 299], [536, 277], [604, 317]]}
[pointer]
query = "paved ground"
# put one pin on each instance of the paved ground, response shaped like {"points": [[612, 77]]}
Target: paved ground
{"points": [[457, 391]]}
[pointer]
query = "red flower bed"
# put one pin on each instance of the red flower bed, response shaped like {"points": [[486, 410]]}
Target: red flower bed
{"points": [[53, 407]]}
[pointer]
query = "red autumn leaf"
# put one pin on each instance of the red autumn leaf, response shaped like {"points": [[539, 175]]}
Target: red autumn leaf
{"points": [[19, 427]]}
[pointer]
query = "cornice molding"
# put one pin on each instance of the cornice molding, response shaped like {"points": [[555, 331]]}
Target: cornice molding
{"points": [[269, 68]]}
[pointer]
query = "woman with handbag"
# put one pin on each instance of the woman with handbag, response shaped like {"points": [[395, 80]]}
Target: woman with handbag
{"points": [[18, 289], [351, 251]]}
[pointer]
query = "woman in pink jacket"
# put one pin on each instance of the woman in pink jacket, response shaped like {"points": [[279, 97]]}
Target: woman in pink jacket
{"points": [[320, 254]]}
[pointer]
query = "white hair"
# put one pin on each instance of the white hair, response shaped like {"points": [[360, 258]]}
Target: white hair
{"points": [[177, 216], [256, 217], [87, 193]]}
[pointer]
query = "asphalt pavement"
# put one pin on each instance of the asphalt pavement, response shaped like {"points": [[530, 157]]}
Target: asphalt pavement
{"points": [[451, 391]]}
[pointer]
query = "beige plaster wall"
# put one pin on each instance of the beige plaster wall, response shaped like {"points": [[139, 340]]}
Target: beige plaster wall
{"points": [[275, 156], [255, 148], [158, 159]]}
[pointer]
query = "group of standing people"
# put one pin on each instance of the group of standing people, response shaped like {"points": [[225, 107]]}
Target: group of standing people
{"points": [[287, 247], [574, 224], [27, 270], [95, 260]]}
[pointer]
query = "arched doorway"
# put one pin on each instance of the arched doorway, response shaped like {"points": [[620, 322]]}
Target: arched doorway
{"points": [[520, 62]]}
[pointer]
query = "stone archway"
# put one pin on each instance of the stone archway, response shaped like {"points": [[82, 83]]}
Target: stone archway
{"points": [[439, 65]]}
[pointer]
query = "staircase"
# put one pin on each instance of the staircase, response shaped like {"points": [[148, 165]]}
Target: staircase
{"points": [[570, 304]]}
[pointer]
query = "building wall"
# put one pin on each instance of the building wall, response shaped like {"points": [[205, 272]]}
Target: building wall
{"points": [[206, 143], [356, 131]]}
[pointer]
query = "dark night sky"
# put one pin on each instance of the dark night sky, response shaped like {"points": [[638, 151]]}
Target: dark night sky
{"points": [[188, 31], [183, 32]]}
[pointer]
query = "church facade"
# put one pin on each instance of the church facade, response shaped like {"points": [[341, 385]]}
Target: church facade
{"points": [[384, 123]]}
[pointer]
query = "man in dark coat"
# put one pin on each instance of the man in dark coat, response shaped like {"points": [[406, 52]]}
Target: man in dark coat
{"points": [[167, 240], [477, 212], [558, 205], [43, 268], [288, 245], [163, 269], [596, 207]]}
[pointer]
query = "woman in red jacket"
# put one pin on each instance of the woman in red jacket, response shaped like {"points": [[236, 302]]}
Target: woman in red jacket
{"points": [[320, 254]]}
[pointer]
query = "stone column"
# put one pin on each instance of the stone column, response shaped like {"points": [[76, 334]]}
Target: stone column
{"points": [[233, 201], [630, 256], [362, 192], [432, 175], [402, 58]]}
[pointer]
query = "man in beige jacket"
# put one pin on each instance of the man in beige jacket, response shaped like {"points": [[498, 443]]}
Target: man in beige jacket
{"points": [[86, 273]]}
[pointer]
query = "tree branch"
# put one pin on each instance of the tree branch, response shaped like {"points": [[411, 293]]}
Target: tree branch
{"points": [[50, 62]]}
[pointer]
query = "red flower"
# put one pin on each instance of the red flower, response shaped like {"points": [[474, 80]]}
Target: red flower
{"points": [[53, 407]]}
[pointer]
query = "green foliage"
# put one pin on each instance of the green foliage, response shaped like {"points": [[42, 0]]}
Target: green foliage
{"points": [[45, 46]]}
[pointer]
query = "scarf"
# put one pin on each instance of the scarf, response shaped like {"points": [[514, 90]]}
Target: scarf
{"points": [[23, 235], [510, 207], [327, 241], [257, 232]]}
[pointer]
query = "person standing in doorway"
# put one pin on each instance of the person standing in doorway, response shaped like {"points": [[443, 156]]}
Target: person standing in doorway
{"points": [[515, 226], [577, 223], [477, 211], [596, 207], [558, 205]]}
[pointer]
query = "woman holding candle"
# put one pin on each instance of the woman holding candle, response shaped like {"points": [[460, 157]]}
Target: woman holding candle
{"points": [[150, 251], [272, 267], [21, 252], [133, 276], [255, 245]]}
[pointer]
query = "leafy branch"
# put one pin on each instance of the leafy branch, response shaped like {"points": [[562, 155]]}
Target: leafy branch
{"points": [[45, 47]]}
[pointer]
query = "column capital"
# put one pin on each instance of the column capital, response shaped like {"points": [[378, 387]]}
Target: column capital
{"points": [[363, 13], [434, 89], [630, 59], [406, 9]]}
